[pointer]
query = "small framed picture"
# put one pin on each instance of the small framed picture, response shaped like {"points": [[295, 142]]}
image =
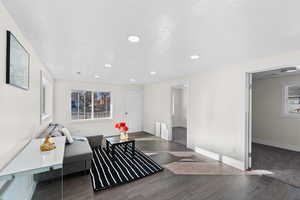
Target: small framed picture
{"points": [[17, 63]]}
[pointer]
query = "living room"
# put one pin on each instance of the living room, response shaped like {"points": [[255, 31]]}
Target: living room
{"points": [[91, 67]]}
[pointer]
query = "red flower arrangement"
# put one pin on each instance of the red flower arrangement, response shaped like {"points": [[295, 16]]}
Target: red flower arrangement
{"points": [[122, 126], [123, 129]]}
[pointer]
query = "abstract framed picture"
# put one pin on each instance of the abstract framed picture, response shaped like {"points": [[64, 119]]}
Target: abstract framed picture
{"points": [[17, 63]]}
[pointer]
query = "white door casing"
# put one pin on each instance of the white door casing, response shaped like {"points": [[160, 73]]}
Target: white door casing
{"points": [[134, 110]]}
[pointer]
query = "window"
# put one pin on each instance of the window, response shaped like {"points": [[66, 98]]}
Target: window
{"points": [[46, 97], [90, 105], [293, 99]]}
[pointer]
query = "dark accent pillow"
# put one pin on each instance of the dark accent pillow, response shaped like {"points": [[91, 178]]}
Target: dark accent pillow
{"points": [[48, 130], [53, 130]]}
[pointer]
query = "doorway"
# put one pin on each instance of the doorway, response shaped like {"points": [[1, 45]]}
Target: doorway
{"points": [[179, 113], [273, 116]]}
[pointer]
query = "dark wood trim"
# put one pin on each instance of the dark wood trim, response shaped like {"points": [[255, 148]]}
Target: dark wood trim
{"points": [[8, 34]]}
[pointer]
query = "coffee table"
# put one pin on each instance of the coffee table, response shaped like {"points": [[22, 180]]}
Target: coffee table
{"points": [[112, 142]]}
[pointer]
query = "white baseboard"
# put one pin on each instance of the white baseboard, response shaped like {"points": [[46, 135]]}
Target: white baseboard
{"points": [[209, 154], [233, 163], [275, 144], [224, 159]]}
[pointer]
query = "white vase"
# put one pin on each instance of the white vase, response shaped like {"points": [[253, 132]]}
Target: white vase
{"points": [[123, 135]]}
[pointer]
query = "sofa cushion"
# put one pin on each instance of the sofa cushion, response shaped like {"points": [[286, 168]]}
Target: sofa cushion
{"points": [[77, 151]]}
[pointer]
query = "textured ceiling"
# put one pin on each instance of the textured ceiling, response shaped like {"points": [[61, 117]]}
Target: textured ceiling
{"points": [[72, 36]]}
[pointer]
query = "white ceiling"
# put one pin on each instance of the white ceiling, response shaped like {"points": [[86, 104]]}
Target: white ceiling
{"points": [[71, 35]]}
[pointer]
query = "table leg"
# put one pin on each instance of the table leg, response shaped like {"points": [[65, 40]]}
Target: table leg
{"points": [[107, 147], [113, 152], [126, 147], [133, 149]]}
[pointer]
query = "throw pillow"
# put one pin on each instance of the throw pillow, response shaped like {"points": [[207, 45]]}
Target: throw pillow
{"points": [[67, 133]]}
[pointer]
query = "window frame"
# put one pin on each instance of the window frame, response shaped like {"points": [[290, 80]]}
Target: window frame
{"points": [[284, 110], [92, 102]]}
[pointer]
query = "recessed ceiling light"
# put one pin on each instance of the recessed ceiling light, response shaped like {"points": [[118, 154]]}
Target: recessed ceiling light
{"points": [[97, 76], [132, 80], [134, 38], [108, 65], [194, 57], [153, 73]]}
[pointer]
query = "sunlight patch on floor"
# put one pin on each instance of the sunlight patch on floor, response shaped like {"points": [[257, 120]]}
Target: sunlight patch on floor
{"points": [[208, 168], [202, 168], [259, 172]]}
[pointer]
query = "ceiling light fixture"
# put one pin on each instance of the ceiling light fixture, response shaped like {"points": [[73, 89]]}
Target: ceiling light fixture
{"points": [[194, 57], [108, 65], [132, 80], [97, 76], [134, 38], [153, 73]]}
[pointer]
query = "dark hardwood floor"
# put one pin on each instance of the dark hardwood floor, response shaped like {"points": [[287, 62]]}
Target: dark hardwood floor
{"points": [[179, 135], [282, 164], [200, 178]]}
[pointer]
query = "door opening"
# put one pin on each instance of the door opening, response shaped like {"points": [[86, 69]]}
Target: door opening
{"points": [[272, 111], [179, 114]]}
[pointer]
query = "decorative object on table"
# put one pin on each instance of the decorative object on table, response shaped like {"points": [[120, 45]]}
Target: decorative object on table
{"points": [[17, 63], [106, 172], [47, 145], [123, 130]]}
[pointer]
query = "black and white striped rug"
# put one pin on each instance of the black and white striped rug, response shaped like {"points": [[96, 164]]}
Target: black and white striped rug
{"points": [[106, 173]]}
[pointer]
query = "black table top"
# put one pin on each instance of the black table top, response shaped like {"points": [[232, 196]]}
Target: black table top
{"points": [[117, 140]]}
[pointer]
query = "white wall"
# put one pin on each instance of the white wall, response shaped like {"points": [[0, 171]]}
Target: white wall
{"points": [[269, 125], [20, 109], [62, 92], [179, 116], [217, 107]]}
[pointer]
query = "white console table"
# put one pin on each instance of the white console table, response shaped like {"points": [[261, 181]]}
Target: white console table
{"points": [[32, 161]]}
